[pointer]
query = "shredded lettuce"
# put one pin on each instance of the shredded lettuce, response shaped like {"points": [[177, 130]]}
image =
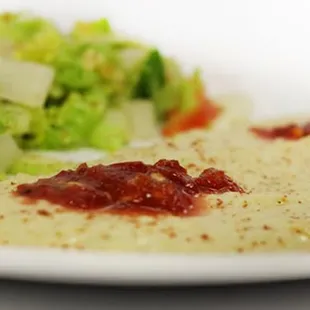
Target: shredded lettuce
{"points": [[90, 31], [33, 38], [70, 72], [112, 132], [71, 125], [37, 164], [90, 87]]}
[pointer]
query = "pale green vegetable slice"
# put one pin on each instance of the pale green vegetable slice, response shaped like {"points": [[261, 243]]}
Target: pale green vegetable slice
{"points": [[142, 117], [37, 164], [132, 58], [9, 152], [25, 82], [14, 119], [112, 132]]}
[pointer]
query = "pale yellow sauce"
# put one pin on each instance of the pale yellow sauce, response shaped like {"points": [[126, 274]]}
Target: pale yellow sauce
{"points": [[274, 215]]}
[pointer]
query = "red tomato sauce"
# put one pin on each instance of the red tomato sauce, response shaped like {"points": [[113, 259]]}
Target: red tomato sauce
{"points": [[130, 188], [199, 118], [288, 132]]}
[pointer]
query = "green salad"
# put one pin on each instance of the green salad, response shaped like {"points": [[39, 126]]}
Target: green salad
{"points": [[88, 87]]}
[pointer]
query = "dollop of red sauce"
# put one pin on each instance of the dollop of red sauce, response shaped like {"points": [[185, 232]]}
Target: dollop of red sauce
{"points": [[131, 188], [288, 132]]}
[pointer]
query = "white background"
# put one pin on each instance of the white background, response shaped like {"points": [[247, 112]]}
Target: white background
{"points": [[259, 46]]}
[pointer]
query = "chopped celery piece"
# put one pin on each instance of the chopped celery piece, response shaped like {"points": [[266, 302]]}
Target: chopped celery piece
{"points": [[91, 30], [113, 132], [25, 82], [9, 152], [36, 164], [142, 117], [100, 31], [173, 71], [188, 96], [36, 132], [167, 99], [152, 77], [131, 58], [179, 93], [191, 88], [14, 119], [32, 38], [120, 42]]}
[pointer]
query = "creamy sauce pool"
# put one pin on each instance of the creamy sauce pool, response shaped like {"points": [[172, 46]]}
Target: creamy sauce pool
{"points": [[272, 215]]}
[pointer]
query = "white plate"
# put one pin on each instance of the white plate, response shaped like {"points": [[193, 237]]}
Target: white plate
{"points": [[260, 47], [142, 269]]}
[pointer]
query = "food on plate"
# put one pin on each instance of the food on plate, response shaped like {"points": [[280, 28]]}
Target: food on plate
{"points": [[35, 163], [93, 87], [208, 180], [227, 191], [293, 128], [130, 188], [38, 164], [19, 83], [9, 152]]}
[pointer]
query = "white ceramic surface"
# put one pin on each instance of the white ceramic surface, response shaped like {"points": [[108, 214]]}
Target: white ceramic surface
{"points": [[141, 269], [260, 47]]}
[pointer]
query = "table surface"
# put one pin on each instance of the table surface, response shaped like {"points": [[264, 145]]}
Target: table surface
{"points": [[38, 296]]}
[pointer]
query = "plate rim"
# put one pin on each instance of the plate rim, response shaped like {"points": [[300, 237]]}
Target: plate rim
{"points": [[132, 269]]}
